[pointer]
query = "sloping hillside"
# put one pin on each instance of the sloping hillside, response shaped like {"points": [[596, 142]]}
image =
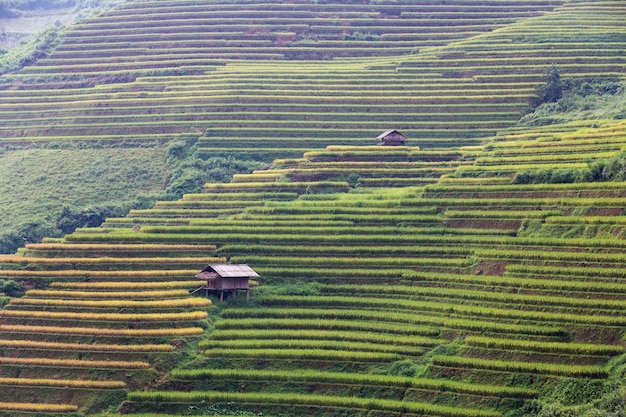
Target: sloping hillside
{"points": [[254, 84], [443, 278], [432, 299], [180, 69]]}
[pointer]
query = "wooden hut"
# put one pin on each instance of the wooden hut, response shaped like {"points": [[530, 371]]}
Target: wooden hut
{"points": [[226, 277], [391, 138]]}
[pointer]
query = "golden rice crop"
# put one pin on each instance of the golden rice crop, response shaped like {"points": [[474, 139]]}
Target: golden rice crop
{"points": [[363, 319], [95, 331], [177, 303], [549, 347], [32, 344], [117, 246], [63, 383], [107, 294], [107, 260], [317, 334], [451, 293], [125, 285], [169, 317], [304, 354], [571, 371], [74, 363], [375, 148], [152, 273], [290, 344], [449, 308], [39, 407]]}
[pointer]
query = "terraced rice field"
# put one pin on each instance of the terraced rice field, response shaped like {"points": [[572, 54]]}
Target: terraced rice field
{"points": [[96, 331], [271, 80], [417, 280], [450, 279], [462, 283]]}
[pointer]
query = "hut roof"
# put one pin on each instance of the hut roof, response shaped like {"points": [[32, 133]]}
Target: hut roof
{"points": [[227, 271], [387, 133]]}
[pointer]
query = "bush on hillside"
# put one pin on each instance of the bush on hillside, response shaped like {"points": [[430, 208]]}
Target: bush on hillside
{"points": [[11, 288], [561, 100], [552, 90], [67, 221], [37, 47], [11, 240], [578, 398], [192, 172], [405, 367], [358, 36], [93, 216], [611, 169]]}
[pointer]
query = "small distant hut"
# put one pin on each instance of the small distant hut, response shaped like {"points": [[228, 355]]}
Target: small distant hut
{"points": [[227, 277], [391, 138]]}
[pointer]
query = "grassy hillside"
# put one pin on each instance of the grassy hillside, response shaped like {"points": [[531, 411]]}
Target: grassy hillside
{"points": [[105, 181], [475, 272], [81, 186]]}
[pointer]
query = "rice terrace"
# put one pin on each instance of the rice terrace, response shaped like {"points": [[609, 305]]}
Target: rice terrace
{"points": [[325, 208]]}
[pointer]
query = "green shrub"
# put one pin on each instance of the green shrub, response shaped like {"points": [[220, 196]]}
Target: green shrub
{"points": [[552, 176], [560, 100], [10, 240], [92, 216], [177, 150], [403, 368], [613, 169], [12, 288], [572, 391], [28, 53], [191, 173], [358, 36], [552, 90], [611, 404]]}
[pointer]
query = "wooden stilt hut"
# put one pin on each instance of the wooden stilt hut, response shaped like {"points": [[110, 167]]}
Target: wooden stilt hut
{"points": [[226, 277]]}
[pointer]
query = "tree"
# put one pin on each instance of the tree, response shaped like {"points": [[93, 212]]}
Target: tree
{"points": [[552, 90], [93, 216]]}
